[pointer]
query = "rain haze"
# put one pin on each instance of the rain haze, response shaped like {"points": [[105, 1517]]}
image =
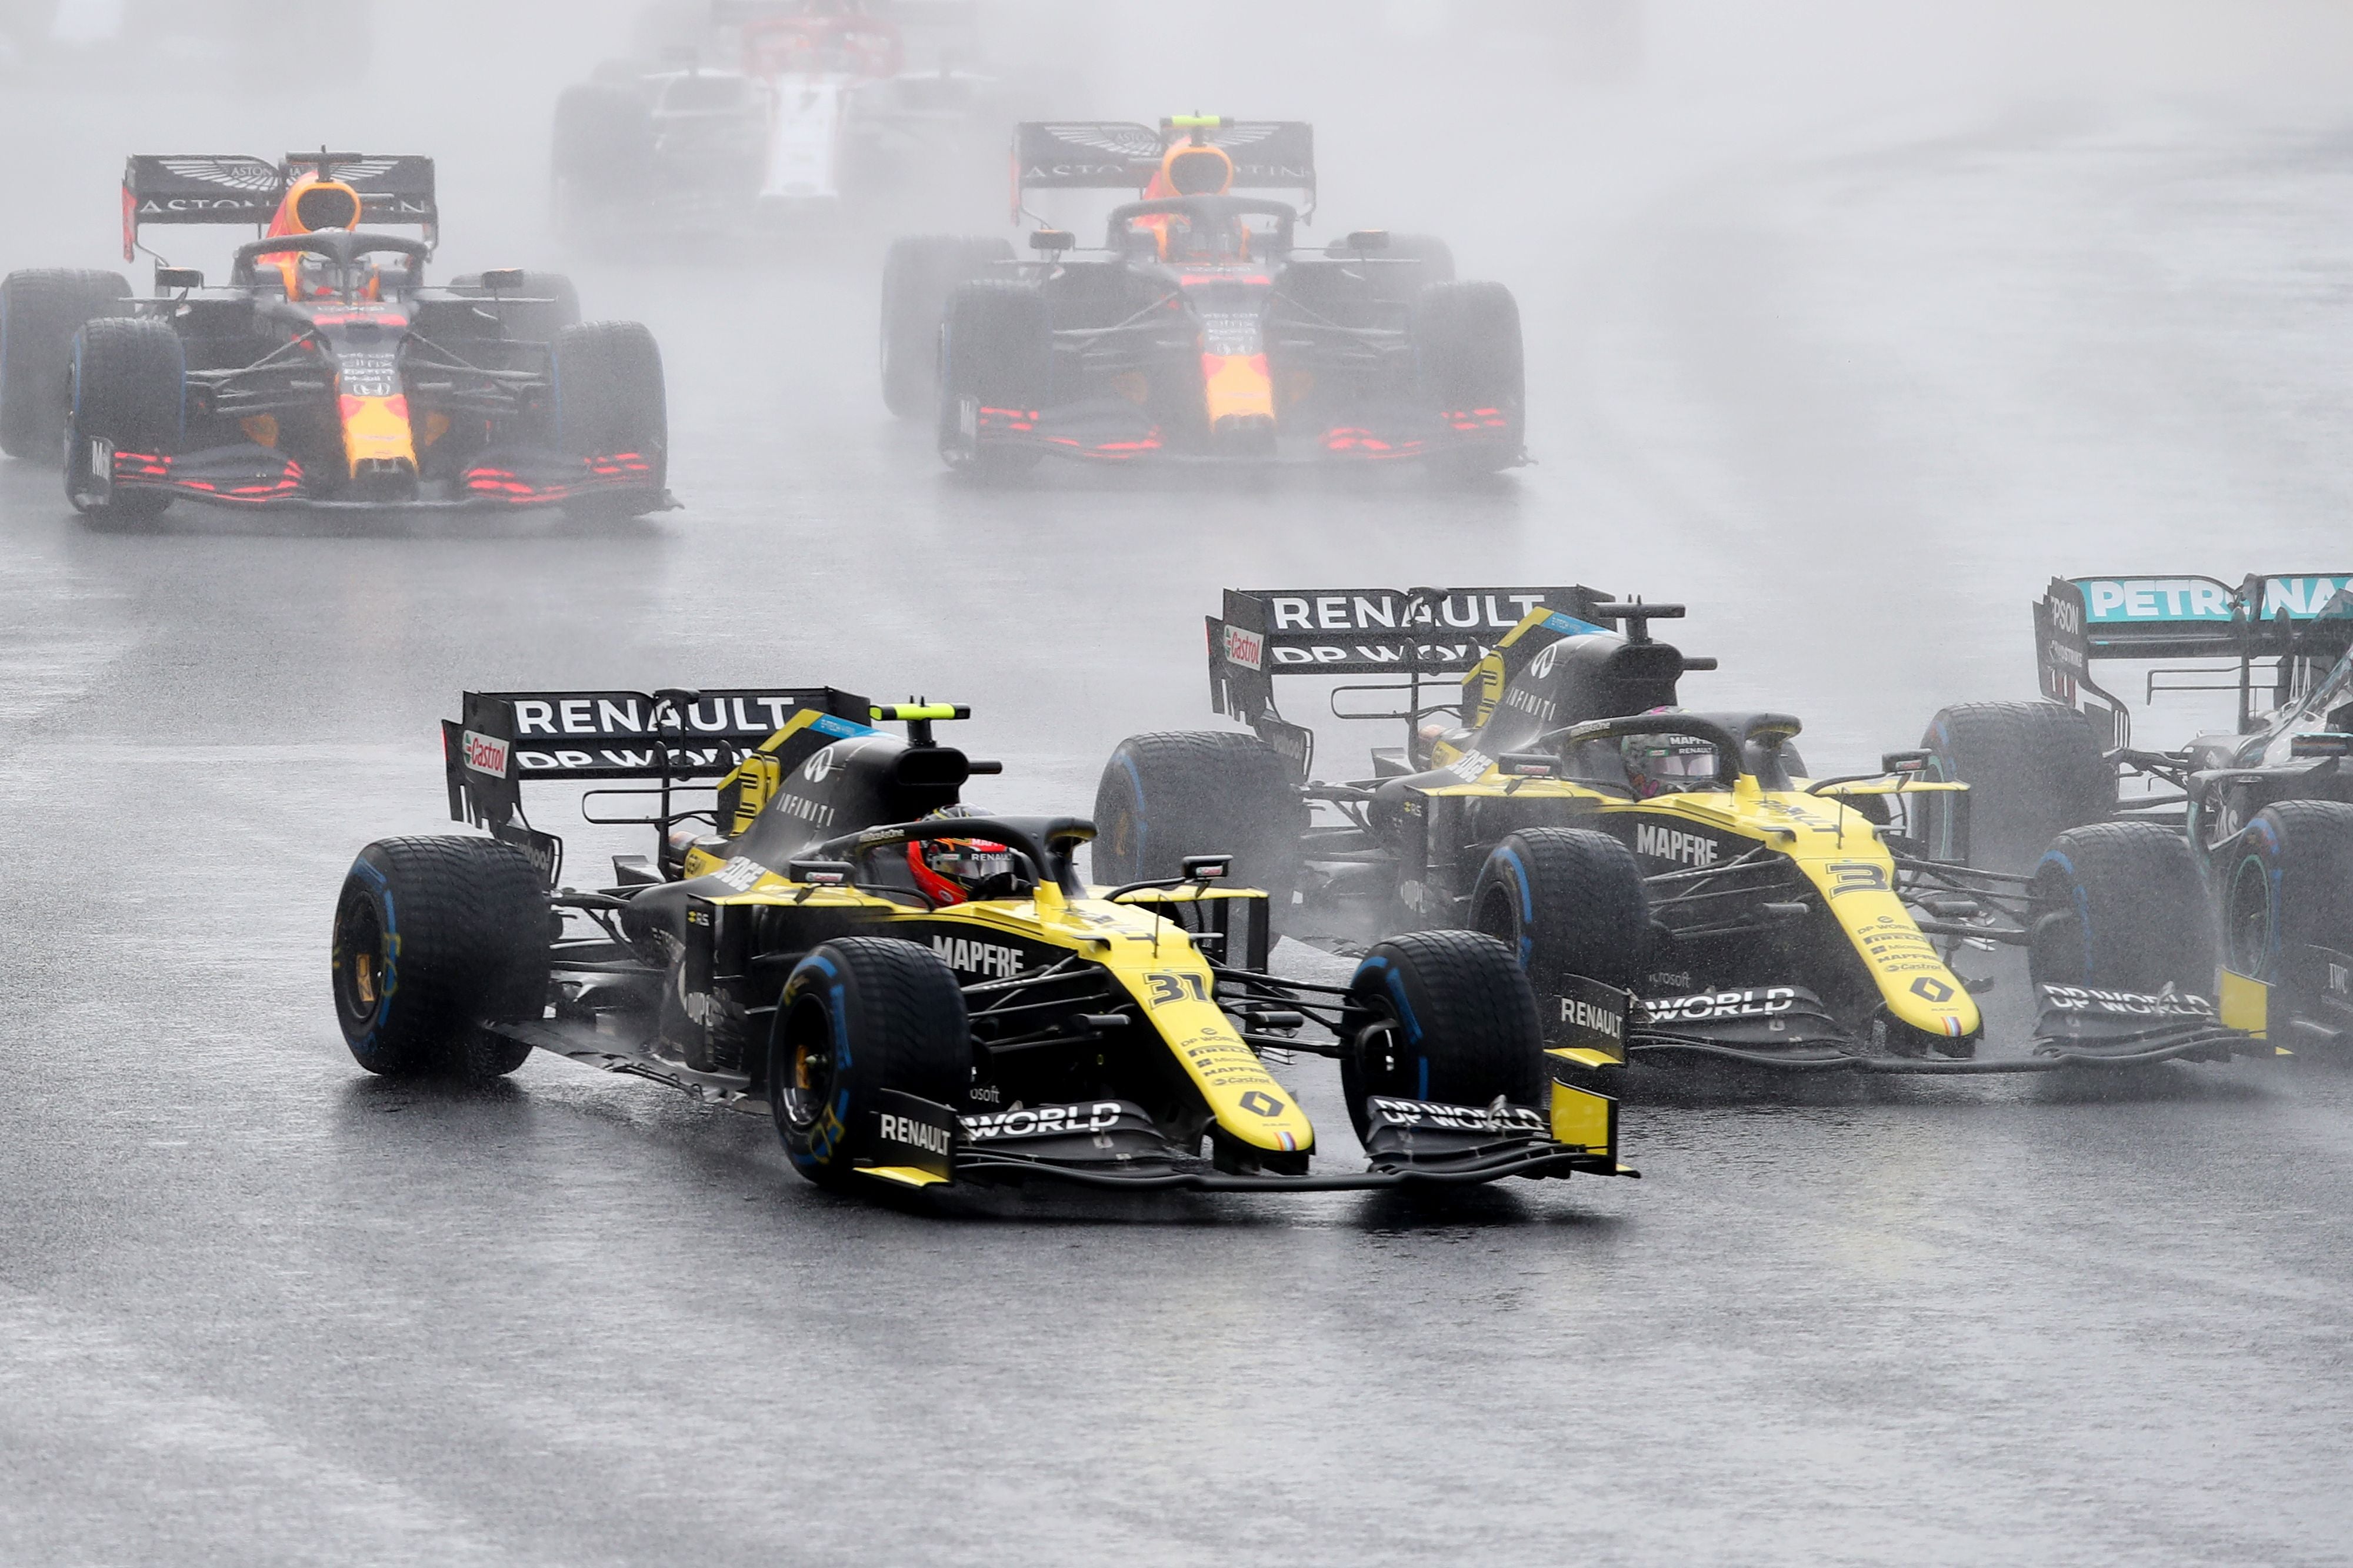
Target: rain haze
{"points": [[1847, 326]]}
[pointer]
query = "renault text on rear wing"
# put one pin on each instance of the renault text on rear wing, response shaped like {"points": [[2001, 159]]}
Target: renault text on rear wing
{"points": [[670, 737]]}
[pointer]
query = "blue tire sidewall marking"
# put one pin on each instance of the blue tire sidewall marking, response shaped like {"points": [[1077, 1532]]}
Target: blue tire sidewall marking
{"points": [[388, 979], [1526, 944], [2083, 908]]}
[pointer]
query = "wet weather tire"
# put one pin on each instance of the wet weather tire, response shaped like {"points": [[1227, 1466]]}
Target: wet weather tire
{"points": [[1472, 372], [861, 1014], [919, 273], [1564, 901], [126, 387], [2120, 906], [41, 312], [995, 352], [1465, 1026], [610, 400], [433, 937], [2287, 888], [2034, 770], [1171, 794]]}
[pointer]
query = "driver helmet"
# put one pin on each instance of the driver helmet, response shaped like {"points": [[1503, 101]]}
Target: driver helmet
{"points": [[952, 870], [1665, 764]]}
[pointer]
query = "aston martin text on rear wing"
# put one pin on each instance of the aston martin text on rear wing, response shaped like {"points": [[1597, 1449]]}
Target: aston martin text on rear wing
{"points": [[234, 188], [665, 737], [1267, 632], [1116, 154], [2080, 620]]}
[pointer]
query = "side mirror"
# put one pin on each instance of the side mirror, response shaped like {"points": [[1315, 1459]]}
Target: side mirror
{"points": [[1529, 765], [171, 278], [1905, 763], [2321, 743], [502, 281], [1207, 868], [819, 873], [1052, 241], [1367, 240]]}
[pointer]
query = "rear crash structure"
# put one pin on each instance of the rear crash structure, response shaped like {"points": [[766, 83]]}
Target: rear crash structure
{"points": [[784, 951]]}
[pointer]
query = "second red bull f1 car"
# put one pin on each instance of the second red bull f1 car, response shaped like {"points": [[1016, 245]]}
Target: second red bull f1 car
{"points": [[1202, 327], [325, 372], [921, 998]]}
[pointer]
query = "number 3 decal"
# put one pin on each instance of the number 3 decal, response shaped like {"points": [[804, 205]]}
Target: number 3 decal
{"points": [[1177, 988]]}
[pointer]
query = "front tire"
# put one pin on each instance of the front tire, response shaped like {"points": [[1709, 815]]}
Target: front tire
{"points": [[41, 312], [1566, 902], [861, 1014], [1473, 374], [1171, 794], [2120, 906], [611, 401], [919, 273], [433, 938], [1464, 1024], [2286, 887], [2034, 771], [128, 384]]}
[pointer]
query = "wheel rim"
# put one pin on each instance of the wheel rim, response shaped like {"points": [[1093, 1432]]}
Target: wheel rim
{"points": [[808, 1070], [2248, 920], [359, 960]]}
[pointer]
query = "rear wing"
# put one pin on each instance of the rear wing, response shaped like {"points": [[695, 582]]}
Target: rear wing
{"points": [[667, 738], [1121, 155], [232, 188], [2302, 619], [1407, 634]]}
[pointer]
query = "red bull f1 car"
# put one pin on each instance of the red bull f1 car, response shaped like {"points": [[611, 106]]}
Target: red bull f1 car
{"points": [[1202, 327], [918, 996], [323, 371], [2140, 868], [1674, 883]]}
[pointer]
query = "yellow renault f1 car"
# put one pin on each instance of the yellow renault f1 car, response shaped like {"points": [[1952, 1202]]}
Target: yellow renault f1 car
{"points": [[324, 372], [920, 997], [1672, 881]]}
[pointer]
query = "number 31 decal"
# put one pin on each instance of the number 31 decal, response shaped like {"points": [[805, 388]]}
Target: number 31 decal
{"points": [[1177, 988]]}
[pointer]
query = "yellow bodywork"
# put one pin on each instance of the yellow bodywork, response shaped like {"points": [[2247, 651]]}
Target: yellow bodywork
{"points": [[375, 428], [1149, 957]]}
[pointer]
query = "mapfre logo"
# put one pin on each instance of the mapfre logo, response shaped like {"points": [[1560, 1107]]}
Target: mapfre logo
{"points": [[485, 753], [1673, 844], [1246, 648]]}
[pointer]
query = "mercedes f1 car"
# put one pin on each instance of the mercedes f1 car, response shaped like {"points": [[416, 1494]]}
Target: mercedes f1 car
{"points": [[1672, 881], [920, 997], [324, 372], [1201, 327], [2245, 835], [820, 111]]}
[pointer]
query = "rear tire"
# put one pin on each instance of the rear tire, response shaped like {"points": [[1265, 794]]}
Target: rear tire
{"points": [[1564, 901], [433, 937], [2120, 906], [996, 352], [2286, 884], [551, 304], [610, 401], [41, 312], [1473, 374], [861, 1014], [1466, 1029], [127, 386], [2034, 771], [1171, 794], [919, 273]]}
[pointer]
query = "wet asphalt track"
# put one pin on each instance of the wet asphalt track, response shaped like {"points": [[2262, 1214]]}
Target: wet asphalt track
{"points": [[257, 1308]]}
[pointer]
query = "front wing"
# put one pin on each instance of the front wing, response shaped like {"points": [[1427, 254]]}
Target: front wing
{"points": [[502, 479], [1114, 430]]}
